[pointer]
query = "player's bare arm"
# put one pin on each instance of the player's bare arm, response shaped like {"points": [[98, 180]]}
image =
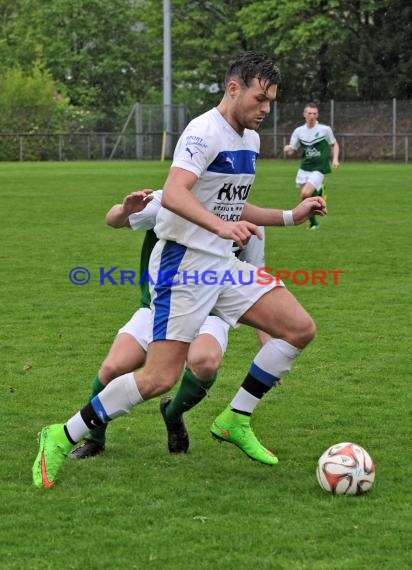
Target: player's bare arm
{"points": [[118, 215], [315, 205], [178, 198], [335, 156]]}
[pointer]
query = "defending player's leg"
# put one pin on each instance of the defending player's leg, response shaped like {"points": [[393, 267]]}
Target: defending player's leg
{"points": [[280, 315], [191, 391], [203, 360]]}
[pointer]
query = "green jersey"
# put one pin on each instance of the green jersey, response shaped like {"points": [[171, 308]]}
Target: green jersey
{"points": [[149, 242], [315, 143]]}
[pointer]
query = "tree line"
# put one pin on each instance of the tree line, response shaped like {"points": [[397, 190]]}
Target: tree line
{"points": [[82, 63]]}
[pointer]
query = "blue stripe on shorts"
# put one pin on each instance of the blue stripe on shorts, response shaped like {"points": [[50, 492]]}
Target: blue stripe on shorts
{"points": [[172, 256], [263, 376]]}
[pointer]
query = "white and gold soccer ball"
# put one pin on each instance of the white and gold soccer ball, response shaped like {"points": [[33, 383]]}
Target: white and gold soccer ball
{"points": [[345, 469]]}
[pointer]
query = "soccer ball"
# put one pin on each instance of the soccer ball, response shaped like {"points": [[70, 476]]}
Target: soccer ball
{"points": [[345, 469]]}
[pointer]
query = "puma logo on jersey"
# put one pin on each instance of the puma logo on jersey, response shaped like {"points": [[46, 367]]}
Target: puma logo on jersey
{"points": [[190, 152], [230, 161]]}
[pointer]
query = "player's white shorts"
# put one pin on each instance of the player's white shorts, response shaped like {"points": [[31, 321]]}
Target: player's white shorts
{"points": [[139, 327], [315, 178], [187, 285]]}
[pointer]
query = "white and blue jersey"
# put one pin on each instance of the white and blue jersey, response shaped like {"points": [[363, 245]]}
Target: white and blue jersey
{"points": [[194, 271], [225, 164]]}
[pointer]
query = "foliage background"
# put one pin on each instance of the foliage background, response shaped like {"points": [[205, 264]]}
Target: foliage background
{"points": [[103, 55]]}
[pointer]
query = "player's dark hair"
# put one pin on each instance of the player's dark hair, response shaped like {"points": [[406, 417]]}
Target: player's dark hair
{"points": [[312, 105], [251, 65]]}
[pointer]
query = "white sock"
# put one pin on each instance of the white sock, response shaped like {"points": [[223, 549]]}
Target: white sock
{"points": [[276, 357], [272, 362], [244, 401], [119, 396], [76, 427]]}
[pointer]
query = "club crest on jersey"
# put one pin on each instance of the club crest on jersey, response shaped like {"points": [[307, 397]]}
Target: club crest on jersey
{"points": [[312, 152]]}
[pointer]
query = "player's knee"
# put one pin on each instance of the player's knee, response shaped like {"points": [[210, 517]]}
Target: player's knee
{"points": [[204, 366], [308, 332], [109, 370], [304, 334], [162, 382]]}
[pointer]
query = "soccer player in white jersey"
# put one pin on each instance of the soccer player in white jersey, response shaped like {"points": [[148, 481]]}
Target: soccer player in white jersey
{"points": [[195, 271], [128, 351], [315, 139]]}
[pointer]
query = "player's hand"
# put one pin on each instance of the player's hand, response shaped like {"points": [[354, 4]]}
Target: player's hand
{"points": [[287, 149], [313, 206], [137, 201], [239, 232], [335, 164]]}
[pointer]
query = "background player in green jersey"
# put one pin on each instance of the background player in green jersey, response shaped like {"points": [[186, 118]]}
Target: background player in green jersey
{"points": [[314, 138]]}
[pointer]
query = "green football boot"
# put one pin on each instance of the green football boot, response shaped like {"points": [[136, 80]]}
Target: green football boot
{"points": [[235, 428], [53, 449]]}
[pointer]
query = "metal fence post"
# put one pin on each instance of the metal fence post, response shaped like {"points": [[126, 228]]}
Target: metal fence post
{"points": [[275, 128], [394, 128], [181, 118], [138, 129], [103, 144], [21, 151], [332, 113]]}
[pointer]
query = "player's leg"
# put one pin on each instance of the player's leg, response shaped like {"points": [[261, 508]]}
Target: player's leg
{"points": [[313, 186], [262, 337], [203, 360], [164, 363], [127, 353], [279, 314]]}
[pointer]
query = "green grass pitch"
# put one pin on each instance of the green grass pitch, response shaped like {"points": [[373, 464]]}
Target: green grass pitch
{"points": [[139, 507]]}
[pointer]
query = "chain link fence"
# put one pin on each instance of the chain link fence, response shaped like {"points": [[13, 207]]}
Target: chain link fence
{"points": [[366, 131]]}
